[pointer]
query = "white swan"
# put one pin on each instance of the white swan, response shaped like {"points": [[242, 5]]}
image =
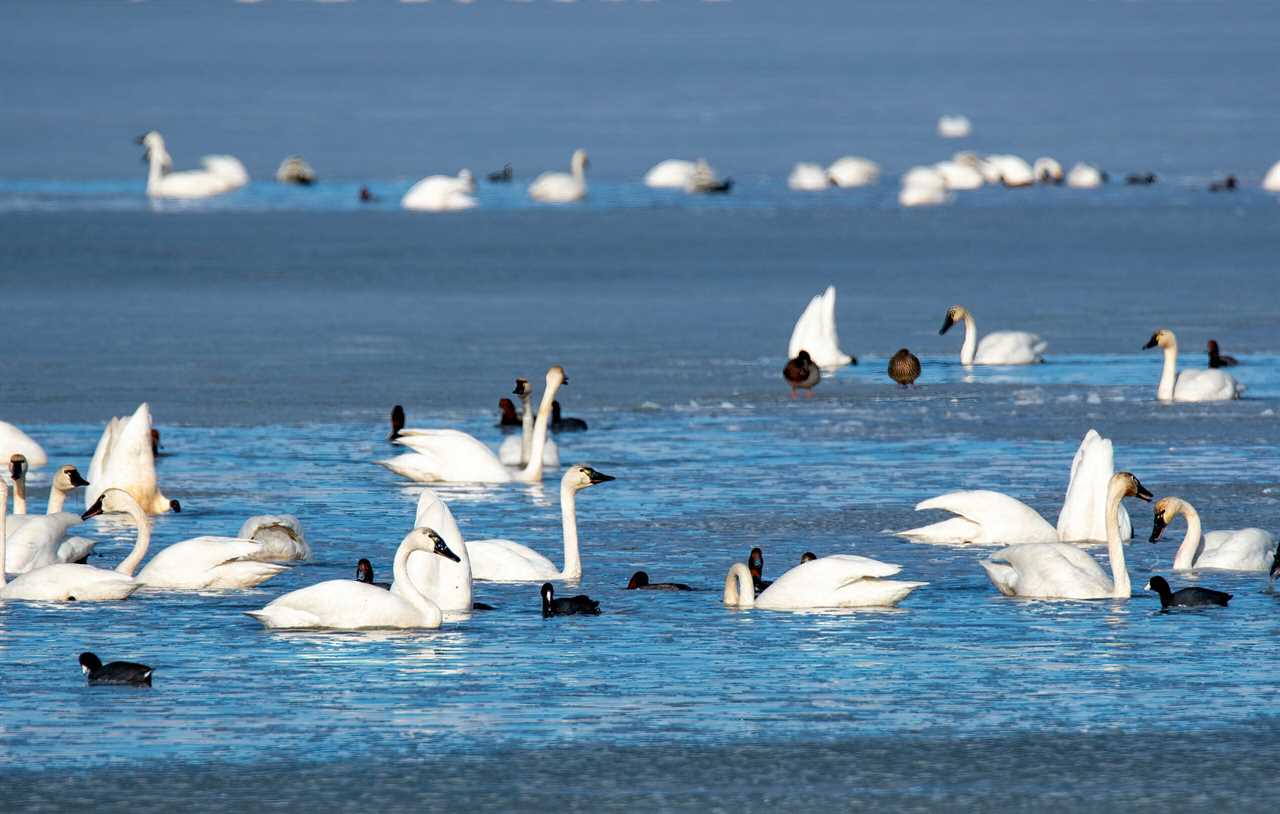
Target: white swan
{"points": [[997, 348], [14, 441], [124, 459], [37, 540], [807, 177], [60, 582], [198, 564], [853, 171], [1271, 183], [1047, 171], [1208, 384], [515, 450], [923, 186], [506, 561], [281, 537], [455, 457], [837, 581], [1250, 549], [674, 173], [221, 173], [559, 187], [957, 176], [954, 126], [441, 193], [446, 581], [1014, 171], [345, 604], [1064, 571], [1085, 176], [815, 331], [986, 518]]}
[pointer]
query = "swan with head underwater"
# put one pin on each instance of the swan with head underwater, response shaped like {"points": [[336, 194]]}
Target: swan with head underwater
{"points": [[1209, 384], [199, 564], [1062, 570], [984, 517], [221, 173], [1249, 549], [125, 459], [561, 187], [836, 581], [815, 332], [37, 540], [997, 348], [507, 561], [347, 604], [456, 457]]}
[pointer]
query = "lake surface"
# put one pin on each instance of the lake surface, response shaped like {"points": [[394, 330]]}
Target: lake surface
{"points": [[271, 331]]}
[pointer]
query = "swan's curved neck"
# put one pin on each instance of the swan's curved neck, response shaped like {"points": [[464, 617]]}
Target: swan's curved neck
{"points": [[1186, 556], [526, 428], [1170, 373], [1115, 546], [532, 471], [20, 496], [57, 499], [569, 519], [430, 611], [970, 346], [130, 563], [4, 522], [739, 590]]}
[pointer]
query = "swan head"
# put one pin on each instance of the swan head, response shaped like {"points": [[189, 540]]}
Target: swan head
{"points": [[807, 556], [508, 408], [556, 376], [582, 476], [428, 540], [1130, 486], [68, 478], [1166, 509], [522, 388], [397, 422], [1163, 338], [113, 501], [955, 313], [638, 580], [580, 160], [17, 466], [364, 571]]}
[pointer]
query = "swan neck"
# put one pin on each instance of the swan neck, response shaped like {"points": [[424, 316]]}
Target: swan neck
{"points": [[1185, 559], [969, 349], [20, 496], [739, 590], [1115, 546], [526, 429], [57, 499], [569, 518], [1169, 375], [130, 563], [430, 611], [532, 471]]}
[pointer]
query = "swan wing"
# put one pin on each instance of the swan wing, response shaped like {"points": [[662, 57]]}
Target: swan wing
{"points": [[36, 543], [451, 455], [444, 582], [1083, 515], [840, 580], [98, 464], [508, 561], [280, 534], [674, 173], [1010, 348], [438, 193], [228, 168], [1248, 549], [1047, 571], [64, 582], [556, 187], [852, 171], [808, 328], [339, 604], [130, 464], [1209, 384], [209, 562], [996, 518], [14, 441]]}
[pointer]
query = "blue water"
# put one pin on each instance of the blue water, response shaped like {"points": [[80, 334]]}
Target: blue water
{"points": [[272, 329]]}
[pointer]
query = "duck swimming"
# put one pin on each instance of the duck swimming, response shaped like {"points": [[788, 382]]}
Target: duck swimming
{"points": [[1227, 184], [570, 606], [364, 573], [562, 424], [802, 374], [1140, 179], [1216, 359], [640, 581], [502, 176], [755, 564], [115, 672], [1187, 597], [904, 367], [510, 418]]}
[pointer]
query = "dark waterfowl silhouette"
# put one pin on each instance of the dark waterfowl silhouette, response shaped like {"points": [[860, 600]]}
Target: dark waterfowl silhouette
{"points": [[561, 423], [569, 606], [510, 417], [397, 422], [115, 672], [802, 373], [755, 564], [1140, 179], [502, 176], [364, 573], [1187, 597], [366, 196], [807, 556], [1216, 359], [904, 367], [1227, 184], [640, 581]]}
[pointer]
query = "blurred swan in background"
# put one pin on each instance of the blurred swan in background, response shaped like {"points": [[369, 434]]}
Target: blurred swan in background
{"points": [[996, 348], [560, 187], [1271, 183], [221, 173], [295, 170], [923, 186], [954, 126], [441, 193], [815, 332], [837, 581], [806, 177], [1085, 176], [958, 176], [674, 173], [853, 171], [1208, 384], [14, 441]]}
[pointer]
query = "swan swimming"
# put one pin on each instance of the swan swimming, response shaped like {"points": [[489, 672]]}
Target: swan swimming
{"points": [[986, 517], [1248, 549], [837, 581], [507, 561], [1271, 182], [447, 581], [455, 457], [1062, 570], [559, 187], [853, 171], [441, 193], [1210, 384], [37, 540], [346, 604], [996, 348], [198, 564], [14, 441], [677, 173], [954, 126], [957, 176], [1085, 176], [923, 186], [815, 331], [807, 177], [295, 170], [1048, 171], [515, 451], [124, 459], [281, 537], [221, 173]]}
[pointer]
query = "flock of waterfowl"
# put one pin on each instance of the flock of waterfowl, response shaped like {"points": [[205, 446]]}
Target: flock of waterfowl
{"points": [[924, 185]]}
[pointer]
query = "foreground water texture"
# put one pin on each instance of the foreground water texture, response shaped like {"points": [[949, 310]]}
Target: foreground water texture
{"points": [[271, 334]]}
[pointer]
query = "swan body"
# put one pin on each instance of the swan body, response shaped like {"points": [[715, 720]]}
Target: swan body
{"points": [[954, 126], [1271, 183], [345, 604], [37, 540], [1047, 171], [124, 459], [986, 517], [807, 177], [1250, 549], [957, 176], [923, 186], [295, 170], [446, 581], [509, 453], [14, 441], [559, 187], [1013, 171], [221, 173], [281, 537], [1085, 176], [853, 171], [837, 581], [997, 348], [507, 561], [1208, 384], [1063, 571], [815, 331], [455, 457], [441, 193], [674, 173]]}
